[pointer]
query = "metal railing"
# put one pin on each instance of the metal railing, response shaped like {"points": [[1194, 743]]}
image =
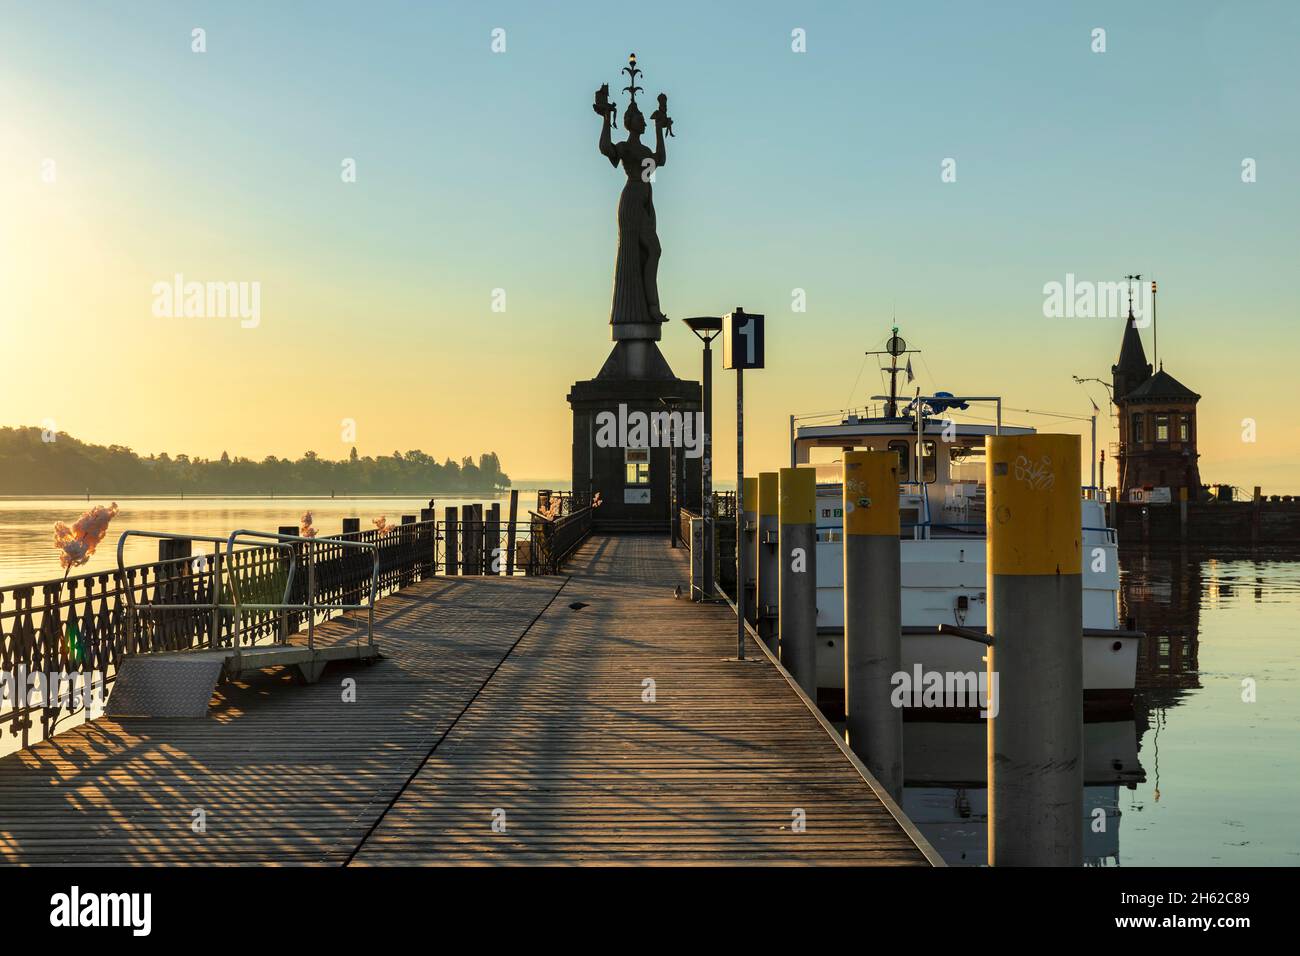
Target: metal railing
{"points": [[238, 606], [310, 547], [564, 502], [83, 624], [537, 545]]}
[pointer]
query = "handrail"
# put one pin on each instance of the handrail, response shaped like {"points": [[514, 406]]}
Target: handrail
{"points": [[272, 539], [133, 608], [90, 623], [311, 605]]}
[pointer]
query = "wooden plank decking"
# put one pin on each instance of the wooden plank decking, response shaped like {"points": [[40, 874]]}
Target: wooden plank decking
{"points": [[496, 701]]}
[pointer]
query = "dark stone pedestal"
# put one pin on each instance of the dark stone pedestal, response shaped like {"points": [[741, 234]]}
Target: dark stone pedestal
{"points": [[604, 469]]}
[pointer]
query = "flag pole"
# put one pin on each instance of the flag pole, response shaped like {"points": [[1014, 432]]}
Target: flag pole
{"points": [[1155, 334]]}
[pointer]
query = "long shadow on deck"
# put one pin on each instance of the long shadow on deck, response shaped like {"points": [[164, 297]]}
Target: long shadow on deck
{"points": [[561, 759], [281, 773]]}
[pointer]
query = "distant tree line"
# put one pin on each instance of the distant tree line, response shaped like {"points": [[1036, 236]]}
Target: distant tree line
{"points": [[32, 465]]}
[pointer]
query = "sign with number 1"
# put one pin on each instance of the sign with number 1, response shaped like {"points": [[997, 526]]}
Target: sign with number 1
{"points": [[742, 340]]}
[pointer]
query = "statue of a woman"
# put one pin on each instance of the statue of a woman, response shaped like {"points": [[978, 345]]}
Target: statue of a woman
{"points": [[636, 289]]}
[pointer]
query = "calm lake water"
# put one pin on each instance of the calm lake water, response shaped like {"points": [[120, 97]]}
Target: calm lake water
{"points": [[27, 526], [1196, 775]]}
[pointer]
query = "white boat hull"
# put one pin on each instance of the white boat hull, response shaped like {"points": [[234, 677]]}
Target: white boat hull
{"points": [[938, 572]]}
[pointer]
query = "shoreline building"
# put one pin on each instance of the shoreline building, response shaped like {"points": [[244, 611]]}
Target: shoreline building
{"points": [[1157, 456]]}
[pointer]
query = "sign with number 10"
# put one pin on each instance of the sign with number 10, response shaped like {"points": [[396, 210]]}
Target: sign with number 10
{"points": [[742, 340]]}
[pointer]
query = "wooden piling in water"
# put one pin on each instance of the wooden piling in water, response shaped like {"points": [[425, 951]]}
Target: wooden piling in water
{"points": [[1035, 665], [467, 549], [451, 544], [494, 539], [480, 540], [510, 531], [426, 539], [169, 549]]}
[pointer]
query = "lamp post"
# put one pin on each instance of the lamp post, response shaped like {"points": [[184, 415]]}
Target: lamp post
{"points": [[1109, 394], [671, 402], [706, 329]]}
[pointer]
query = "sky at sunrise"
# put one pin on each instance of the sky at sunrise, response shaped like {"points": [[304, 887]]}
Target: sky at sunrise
{"points": [[935, 165]]}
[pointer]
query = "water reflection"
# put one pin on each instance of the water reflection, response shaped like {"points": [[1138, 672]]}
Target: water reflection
{"points": [[1160, 593], [946, 789], [1202, 768], [27, 525]]}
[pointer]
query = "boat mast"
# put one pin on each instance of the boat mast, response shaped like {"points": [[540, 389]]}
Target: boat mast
{"points": [[894, 347]]}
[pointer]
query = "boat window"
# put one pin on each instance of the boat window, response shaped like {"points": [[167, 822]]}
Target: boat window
{"points": [[929, 462], [966, 462], [899, 448]]}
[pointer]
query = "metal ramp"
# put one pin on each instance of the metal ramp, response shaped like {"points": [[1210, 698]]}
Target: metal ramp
{"points": [[181, 683]]}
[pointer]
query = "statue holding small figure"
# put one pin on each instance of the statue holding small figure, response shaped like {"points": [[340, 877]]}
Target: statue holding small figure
{"points": [[636, 289]]}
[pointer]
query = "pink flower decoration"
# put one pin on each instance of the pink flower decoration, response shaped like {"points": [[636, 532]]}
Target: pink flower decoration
{"points": [[78, 543]]}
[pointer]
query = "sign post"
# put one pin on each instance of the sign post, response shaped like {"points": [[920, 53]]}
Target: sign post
{"points": [[742, 348]]}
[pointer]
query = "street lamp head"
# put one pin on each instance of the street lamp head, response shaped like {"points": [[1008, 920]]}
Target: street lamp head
{"points": [[705, 327]]}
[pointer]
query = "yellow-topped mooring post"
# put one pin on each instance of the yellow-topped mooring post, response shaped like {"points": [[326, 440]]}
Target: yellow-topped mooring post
{"points": [[748, 534], [767, 598], [1035, 666], [797, 613], [873, 617]]}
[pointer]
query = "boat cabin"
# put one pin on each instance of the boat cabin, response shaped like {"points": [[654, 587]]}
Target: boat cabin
{"points": [[941, 465]]}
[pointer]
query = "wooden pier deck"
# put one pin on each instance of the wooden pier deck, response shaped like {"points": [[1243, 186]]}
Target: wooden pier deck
{"points": [[516, 702]]}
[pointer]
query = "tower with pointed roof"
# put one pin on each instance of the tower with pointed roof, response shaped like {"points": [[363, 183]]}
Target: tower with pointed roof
{"points": [[1157, 423]]}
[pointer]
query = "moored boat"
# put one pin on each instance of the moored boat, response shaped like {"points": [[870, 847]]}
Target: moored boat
{"points": [[941, 502]]}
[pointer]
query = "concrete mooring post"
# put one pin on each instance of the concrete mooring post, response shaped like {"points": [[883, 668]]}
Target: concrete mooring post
{"points": [[797, 614], [748, 534], [873, 618], [1035, 666], [767, 597]]}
